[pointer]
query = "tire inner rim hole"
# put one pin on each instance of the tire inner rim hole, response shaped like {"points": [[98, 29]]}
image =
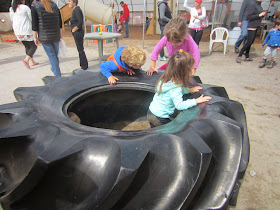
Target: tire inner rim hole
{"points": [[116, 109]]}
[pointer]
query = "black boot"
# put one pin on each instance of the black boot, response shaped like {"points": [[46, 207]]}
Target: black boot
{"points": [[262, 64], [271, 64]]}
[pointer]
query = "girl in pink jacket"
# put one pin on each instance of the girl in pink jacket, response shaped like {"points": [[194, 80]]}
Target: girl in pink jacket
{"points": [[175, 38]]}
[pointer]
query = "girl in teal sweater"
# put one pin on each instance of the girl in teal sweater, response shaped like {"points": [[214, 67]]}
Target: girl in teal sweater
{"points": [[171, 87]]}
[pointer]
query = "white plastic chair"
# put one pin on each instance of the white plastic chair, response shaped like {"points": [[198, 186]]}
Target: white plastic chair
{"points": [[219, 37], [265, 30]]}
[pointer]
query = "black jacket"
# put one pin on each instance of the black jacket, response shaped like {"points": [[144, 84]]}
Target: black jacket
{"points": [[77, 19], [244, 9], [164, 13], [47, 24], [253, 15]]}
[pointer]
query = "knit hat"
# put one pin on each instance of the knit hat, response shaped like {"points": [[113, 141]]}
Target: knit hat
{"points": [[198, 1]]}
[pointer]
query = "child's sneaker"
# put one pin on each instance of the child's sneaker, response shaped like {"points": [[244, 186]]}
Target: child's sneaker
{"points": [[238, 60], [262, 64], [272, 64]]}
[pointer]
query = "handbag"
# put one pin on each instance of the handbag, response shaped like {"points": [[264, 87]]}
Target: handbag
{"points": [[62, 48], [205, 22]]}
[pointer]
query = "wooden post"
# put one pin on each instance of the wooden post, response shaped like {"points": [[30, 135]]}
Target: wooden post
{"points": [[151, 29], [66, 13]]}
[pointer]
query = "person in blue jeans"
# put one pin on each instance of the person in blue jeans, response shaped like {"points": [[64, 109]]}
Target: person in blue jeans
{"points": [[255, 15], [243, 23], [47, 29]]}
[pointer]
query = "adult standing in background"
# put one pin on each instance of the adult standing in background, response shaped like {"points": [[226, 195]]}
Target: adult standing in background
{"points": [[115, 24], [255, 15], [126, 18], [20, 15], [271, 11], [76, 25], [198, 14], [164, 16], [243, 23], [47, 29]]}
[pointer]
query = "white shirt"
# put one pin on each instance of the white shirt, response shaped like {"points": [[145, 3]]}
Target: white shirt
{"points": [[195, 22], [21, 20]]}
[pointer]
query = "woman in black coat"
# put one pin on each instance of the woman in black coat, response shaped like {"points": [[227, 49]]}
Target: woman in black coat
{"points": [[76, 24], [255, 15]]}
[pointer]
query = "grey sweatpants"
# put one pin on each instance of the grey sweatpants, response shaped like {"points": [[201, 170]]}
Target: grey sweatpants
{"points": [[272, 50]]}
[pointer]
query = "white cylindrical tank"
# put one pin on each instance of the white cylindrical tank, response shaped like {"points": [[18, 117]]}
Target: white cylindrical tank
{"points": [[6, 23], [97, 12], [233, 35]]}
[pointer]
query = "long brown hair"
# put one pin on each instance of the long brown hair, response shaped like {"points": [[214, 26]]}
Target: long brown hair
{"points": [[176, 29], [48, 6], [178, 70], [15, 4]]}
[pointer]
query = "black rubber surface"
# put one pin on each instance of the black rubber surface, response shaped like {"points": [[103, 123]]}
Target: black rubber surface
{"points": [[47, 161]]}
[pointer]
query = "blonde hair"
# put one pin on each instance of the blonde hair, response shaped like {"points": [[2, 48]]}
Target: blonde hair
{"points": [[47, 5], [178, 70], [133, 56], [176, 29]]}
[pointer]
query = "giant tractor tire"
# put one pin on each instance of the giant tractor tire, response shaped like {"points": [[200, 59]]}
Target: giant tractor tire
{"points": [[48, 161]]}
